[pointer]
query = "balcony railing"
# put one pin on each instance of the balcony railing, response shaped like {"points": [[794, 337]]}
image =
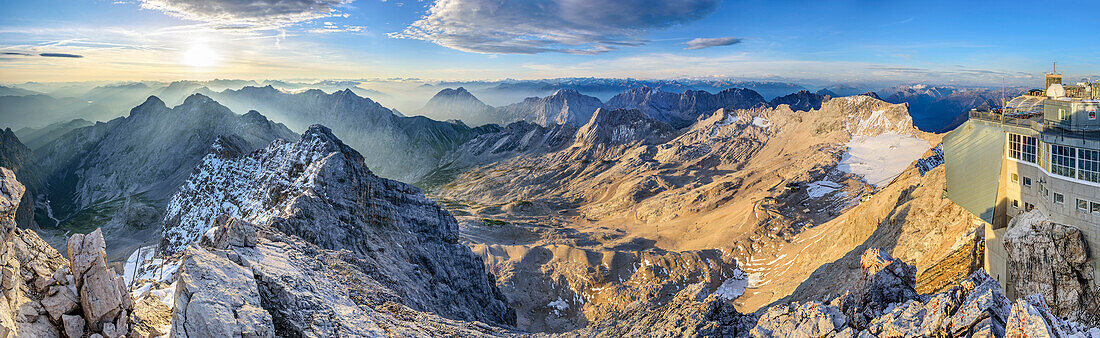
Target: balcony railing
{"points": [[1036, 123]]}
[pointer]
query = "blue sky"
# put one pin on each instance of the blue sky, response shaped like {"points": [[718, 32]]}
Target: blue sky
{"points": [[968, 42]]}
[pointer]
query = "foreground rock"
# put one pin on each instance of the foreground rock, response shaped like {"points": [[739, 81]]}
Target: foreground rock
{"points": [[1052, 260], [45, 295], [883, 306]]}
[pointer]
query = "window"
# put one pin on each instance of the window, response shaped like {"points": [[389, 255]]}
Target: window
{"points": [[1063, 160], [1015, 178], [1027, 181], [1095, 207], [1062, 115], [1016, 204], [1028, 206], [1088, 165], [1082, 204], [1059, 198], [1022, 148]]}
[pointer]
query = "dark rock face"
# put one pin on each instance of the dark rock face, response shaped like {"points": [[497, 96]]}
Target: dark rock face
{"points": [[680, 110], [1052, 260], [17, 157], [802, 100], [316, 194]]}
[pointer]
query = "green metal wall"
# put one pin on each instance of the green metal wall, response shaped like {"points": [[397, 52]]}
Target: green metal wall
{"points": [[973, 154]]}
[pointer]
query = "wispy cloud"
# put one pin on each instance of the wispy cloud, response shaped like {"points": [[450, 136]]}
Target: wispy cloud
{"points": [[700, 43], [48, 55], [60, 55], [248, 14], [540, 26]]}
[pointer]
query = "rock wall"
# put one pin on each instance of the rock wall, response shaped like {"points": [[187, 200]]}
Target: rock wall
{"points": [[1052, 260]]}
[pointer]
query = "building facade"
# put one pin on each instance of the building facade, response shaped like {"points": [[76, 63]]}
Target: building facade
{"points": [[1040, 152]]}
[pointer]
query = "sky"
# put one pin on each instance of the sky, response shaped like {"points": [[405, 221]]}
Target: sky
{"points": [[965, 42]]}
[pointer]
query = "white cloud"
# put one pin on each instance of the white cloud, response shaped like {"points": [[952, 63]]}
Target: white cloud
{"points": [[700, 43], [246, 14], [538, 26]]}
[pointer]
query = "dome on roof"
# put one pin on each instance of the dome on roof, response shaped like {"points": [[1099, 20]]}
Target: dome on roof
{"points": [[1022, 104], [1056, 90]]}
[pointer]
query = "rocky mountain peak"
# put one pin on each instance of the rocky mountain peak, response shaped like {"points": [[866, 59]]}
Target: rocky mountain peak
{"points": [[621, 126], [317, 191], [152, 103]]}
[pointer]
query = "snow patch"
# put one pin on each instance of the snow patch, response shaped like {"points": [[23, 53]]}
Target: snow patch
{"points": [[734, 286], [558, 306], [761, 122], [881, 158], [821, 188]]}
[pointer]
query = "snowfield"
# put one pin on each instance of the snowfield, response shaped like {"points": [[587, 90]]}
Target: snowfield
{"points": [[881, 158]]}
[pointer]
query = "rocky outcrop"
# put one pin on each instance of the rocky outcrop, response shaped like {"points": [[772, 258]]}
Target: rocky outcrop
{"points": [[18, 158], [975, 307], [329, 224], [104, 297], [884, 281], [217, 298], [45, 295], [1052, 260]]}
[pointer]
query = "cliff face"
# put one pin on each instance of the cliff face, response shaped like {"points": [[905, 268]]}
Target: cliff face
{"points": [[17, 157], [46, 295], [1052, 260]]}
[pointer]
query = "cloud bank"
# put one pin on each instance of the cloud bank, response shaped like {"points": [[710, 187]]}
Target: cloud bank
{"points": [[700, 43], [245, 14], [540, 26]]}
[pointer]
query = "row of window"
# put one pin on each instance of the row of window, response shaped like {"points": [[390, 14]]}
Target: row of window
{"points": [[1023, 148], [1079, 163], [1082, 164]]}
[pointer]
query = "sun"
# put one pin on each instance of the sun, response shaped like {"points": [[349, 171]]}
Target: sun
{"points": [[200, 56]]}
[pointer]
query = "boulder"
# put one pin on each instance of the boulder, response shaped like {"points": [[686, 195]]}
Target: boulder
{"points": [[809, 319], [74, 325], [59, 301], [217, 298]]}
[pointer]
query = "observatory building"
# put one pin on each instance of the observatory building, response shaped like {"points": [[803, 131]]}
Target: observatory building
{"points": [[1041, 151]]}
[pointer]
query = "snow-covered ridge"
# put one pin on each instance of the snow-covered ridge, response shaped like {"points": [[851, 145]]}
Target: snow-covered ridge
{"points": [[254, 187]]}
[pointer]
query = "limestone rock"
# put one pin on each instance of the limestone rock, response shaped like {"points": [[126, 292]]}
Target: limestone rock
{"points": [[217, 298], [884, 281], [59, 301], [809, 319], [1052, 260], [1032, 318], [74, 325]]}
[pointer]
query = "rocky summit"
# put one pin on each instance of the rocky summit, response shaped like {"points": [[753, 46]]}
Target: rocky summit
{"points": [[304, 216]]}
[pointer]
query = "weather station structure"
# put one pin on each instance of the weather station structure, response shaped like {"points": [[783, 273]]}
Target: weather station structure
{"points": [[1041, 151]]}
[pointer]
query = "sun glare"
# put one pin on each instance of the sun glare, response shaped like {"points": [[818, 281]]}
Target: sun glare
{"points": [[200, 57]]}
